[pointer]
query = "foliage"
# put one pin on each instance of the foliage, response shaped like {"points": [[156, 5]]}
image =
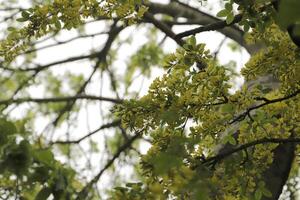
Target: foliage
{"points": [[203, 137], [202, 96], [20, 159]]}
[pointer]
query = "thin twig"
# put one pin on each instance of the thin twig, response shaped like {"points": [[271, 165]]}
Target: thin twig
{"points": [[105, 126], [60, 99], [84, 192]]}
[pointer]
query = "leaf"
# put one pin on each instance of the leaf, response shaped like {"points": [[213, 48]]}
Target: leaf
{"points": [[200, 47], [163, 162], [192, 41], [57, 24], [11, 28], [188, 46], [188, 60], [246, 27], [227, 108], [22, 19], [7, 127], [41, 174], [266, 90], [25, 15], [202, 193], [60, 184], [45, 156], [222, 13], [260, 116], [231, 140], [43, 194], [170, 116], [258, 194], [19, 158], [230, 18], [228, 6], [266, 192], [262, 1]]}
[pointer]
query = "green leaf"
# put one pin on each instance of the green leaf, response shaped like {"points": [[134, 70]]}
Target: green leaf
{"points": [[260, 116], [266, 90], [246, 27], [57, 24], [266, 192], [19, 158], [60, 183], [188, 61], [6, 127], [200, 47], [222, 13], [202, 193], [11, 28], [258, 194], [43, 194], [25, 15], [44, 156], [192, 41], [231, 140], [41, 174], [230, 18], [228, 108], [262, 1], [22, 19], [163, 162], [188, 46], [169, 116], [228, 6]]}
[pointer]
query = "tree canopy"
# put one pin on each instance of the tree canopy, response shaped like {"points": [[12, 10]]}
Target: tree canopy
{"points": [[206, 139]]}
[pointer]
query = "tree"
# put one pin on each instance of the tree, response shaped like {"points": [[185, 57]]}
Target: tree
{"points": [[207, 142]]}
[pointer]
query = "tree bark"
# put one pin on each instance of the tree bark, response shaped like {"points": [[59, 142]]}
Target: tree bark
{"points": [[177, 10], [278, 172]]}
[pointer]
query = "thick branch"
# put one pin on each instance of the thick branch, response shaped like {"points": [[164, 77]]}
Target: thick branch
{"points": [[180, 10], [164, 28], [277, 173], [221, 156]]}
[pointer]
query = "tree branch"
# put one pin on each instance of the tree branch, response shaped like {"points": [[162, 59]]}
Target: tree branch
{"points": [[101, 56], [64, 42], [210, 27], [109, 125], [164, 28], [182, 10], [267, 102], [60, 99], [213, 160], [43, 67], [84, 192]]}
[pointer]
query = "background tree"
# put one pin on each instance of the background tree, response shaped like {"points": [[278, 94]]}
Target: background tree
{"points": [[207, 140]]}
